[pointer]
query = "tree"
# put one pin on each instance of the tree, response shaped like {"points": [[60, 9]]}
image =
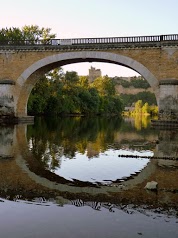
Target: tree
{"points": [[130, 99], [89, 101], [104, 85], [56, 74], [34, 33], [51, 86], [71, 77], [138, 106], [109, 101], [139, 83], [68, 93], [12, 34], [145, 108], [141, 108], [30, 34], [37, 101], [83, 82]]}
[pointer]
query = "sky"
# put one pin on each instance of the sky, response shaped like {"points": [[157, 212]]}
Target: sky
{"points": [[94, 18]]}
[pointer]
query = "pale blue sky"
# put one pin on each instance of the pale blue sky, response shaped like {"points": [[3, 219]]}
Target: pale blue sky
{"points": [[94, 18]]}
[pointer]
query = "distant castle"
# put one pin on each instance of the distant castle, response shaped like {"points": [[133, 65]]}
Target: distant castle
{"points": [[93, 74]]}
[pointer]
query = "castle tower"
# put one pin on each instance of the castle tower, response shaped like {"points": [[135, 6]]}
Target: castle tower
{"points": [[93, 74]]}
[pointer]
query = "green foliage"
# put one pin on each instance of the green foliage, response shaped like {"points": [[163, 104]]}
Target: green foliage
{"points": [[68, 93], [139, 83], [71, 77], [129, 99], [125, 84], [147, 97], [83, 82], [104, 85], [88, 101], [37, 101], [136, 82], [11, 34], [30, 33]]}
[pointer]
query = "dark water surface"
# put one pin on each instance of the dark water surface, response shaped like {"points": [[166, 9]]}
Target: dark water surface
{"points": [[85, 177]]}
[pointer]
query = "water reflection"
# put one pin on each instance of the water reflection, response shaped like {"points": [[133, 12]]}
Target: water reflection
{"points": [[71, 221], [31, 158], [106, 168], [88, 137]]}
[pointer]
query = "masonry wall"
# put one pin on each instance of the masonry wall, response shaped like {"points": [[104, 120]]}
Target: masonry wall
{"points": [[161, 62]]}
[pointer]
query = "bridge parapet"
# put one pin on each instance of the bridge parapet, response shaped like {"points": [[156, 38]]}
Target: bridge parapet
{"points": [[91, 43]]}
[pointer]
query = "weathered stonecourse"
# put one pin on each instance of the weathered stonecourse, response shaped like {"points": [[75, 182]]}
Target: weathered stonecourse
{"points": [[153, 57], [7, 109], [168, 99], [6, 105], [168, 103]]}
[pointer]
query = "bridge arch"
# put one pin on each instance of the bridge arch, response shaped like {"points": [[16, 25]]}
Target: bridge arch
{"points": [[29, 77]]}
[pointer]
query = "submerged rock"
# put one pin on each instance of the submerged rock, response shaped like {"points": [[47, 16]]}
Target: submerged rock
{"points": [[151, 185]]}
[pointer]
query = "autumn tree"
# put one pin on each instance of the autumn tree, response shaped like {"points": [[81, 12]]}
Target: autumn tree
{"points": [[138, 106]]}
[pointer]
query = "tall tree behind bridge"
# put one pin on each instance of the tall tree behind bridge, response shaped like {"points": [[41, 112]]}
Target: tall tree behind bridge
{"points": [[32, 33]]}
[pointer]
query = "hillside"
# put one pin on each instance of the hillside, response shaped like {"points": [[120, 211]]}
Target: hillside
{"points": [[132, 89]]}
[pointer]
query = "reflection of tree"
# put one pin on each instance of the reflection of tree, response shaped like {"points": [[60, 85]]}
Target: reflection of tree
{"points": [[52, 156], [145, 121], [53, 138], [140, 122]]}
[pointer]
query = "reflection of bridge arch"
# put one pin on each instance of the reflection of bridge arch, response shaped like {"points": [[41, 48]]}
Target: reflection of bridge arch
{"points": [[129, 184], [23, 152], [29, 77]]}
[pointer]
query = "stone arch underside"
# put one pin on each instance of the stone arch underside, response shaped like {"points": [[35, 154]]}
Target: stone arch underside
{"points": [[29, 77]]}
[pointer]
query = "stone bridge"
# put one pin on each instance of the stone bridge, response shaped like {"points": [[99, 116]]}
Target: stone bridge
{"points": [[153, 57]]}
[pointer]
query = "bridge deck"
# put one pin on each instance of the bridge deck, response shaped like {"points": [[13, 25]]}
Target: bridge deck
{"points": [[91, 43]]}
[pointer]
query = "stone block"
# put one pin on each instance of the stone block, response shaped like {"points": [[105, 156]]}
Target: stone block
{"points": [[151, 185]]}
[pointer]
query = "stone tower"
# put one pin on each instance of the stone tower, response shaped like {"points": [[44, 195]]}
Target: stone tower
{"points": [[93, 74]]}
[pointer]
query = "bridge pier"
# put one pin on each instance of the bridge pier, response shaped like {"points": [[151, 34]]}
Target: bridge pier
{"points": [[168, 103], [8, 105]]}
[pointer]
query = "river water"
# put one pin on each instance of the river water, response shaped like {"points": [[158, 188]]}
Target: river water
{"points": [[86, 177]]}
